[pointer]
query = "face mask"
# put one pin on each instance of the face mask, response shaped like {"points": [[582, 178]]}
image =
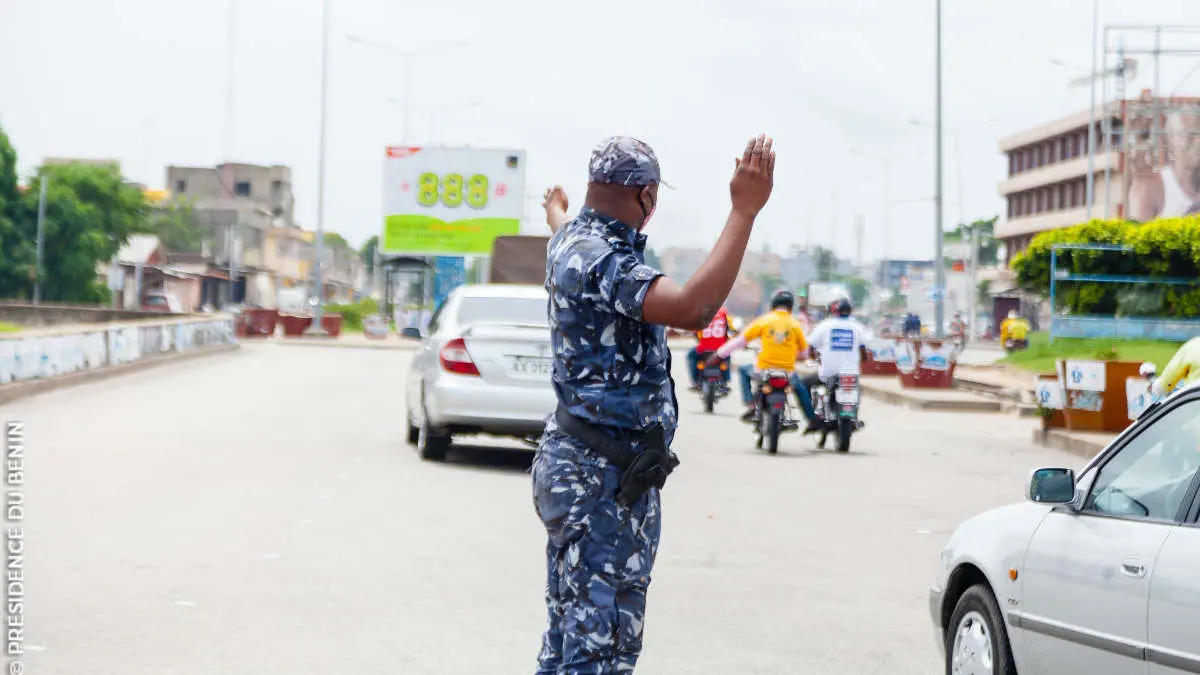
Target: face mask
{"points": [[647, 213]]}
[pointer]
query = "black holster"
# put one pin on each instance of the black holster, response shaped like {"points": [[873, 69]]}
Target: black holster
{"points": [[640, 471]]}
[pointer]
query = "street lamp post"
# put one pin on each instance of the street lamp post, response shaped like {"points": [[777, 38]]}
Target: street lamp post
{"points": [[316, 328], [43, 185], [939, 267], [407, 56]]}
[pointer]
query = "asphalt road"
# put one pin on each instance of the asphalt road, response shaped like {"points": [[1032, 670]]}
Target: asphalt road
{"points": [[258, 512]]}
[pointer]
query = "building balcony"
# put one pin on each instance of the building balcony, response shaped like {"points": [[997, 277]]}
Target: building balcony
{"points": [[1057, 173], [1041, 222]]}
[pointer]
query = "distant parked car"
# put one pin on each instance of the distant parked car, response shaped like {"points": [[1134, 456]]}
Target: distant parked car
{"points": [[483, 368], [1093, 574], [161, 302]]}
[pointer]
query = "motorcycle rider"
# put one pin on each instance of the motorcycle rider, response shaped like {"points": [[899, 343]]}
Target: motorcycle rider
{"points": [[711, 339], [841, 343], [783, 343], [1184, 367], [1014, 328]]}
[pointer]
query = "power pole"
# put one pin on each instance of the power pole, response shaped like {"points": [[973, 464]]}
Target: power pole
{"points": [[939, 266]]}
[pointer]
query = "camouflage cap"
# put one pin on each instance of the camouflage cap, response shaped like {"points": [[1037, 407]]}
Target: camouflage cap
{"points": [[622, 160]]}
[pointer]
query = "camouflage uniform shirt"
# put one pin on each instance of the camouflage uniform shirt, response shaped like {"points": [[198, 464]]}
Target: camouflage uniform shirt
{"points": [[610, 368]]}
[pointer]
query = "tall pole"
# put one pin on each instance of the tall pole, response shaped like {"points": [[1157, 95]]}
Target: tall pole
{"points": [[319, 247], [1091, 171], [973, 260], [1106, 125], [231, 66], [938, 263], [232, 262], [887, 196], [41, 237], [1156, 128]]}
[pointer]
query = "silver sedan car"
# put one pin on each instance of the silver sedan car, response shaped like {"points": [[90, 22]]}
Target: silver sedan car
{"points": [[483, 368], [1094, 574]]}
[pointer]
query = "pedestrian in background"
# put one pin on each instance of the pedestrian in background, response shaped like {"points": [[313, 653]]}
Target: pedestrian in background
{"points": [[605, 453]]}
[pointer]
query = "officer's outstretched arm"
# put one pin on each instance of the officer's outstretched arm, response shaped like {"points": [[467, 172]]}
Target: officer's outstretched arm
{"points": [[693, 305]]}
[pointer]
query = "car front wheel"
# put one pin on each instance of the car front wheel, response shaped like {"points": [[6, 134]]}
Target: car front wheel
{"points": [[976, 640]]}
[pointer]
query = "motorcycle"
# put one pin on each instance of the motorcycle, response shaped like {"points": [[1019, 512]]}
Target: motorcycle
{"points": [[835, 402], [774, 410], [712, 382], [1011, 345]]}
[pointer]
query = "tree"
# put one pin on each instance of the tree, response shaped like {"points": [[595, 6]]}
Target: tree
{"points": [[176, 227], [17, 248], [826, 264], [367, 253], [91, 211], [989, 247], [859, 289], [334, 241]]}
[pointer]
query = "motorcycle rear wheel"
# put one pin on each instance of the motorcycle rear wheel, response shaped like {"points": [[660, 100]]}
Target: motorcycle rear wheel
{"points": [[845, 430], [709, 392], [772, 433]]}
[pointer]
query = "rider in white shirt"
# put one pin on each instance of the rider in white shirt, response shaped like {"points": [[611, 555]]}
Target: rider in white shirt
{"points": [[841, 342]]}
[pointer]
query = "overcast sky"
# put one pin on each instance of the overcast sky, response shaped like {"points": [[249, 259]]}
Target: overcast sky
{"points": [[145, 81]]}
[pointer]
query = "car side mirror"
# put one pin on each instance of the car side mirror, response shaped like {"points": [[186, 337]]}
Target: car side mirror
{"points": [[411, 334], [1051, 486]]}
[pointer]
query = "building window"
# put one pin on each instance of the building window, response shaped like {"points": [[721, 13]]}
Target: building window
{"points": [[242, 188], [276, 187], [181, 186]]}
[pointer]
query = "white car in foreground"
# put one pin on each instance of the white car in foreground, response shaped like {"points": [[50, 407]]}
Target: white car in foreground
{"points": [[1094, 575], [483, 368]]}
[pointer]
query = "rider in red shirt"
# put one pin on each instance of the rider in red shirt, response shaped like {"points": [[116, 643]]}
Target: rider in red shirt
{"points": [[711, 339]]}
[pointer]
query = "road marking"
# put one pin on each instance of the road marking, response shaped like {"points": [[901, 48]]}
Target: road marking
{"points": [[272, 555]]}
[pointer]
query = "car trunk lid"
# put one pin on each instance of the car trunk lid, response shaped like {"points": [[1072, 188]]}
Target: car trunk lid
{"points": [[511, 355]]}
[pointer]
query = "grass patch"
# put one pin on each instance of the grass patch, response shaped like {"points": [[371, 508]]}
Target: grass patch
{"points": [[9, 327], [354, 314], [1041, 356]]}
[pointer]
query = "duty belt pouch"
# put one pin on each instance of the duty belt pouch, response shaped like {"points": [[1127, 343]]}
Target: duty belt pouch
{"points": [[649, 468]]}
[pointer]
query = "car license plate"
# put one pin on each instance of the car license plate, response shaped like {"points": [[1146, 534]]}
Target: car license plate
{"points": [[530, 368], [849, 396]]}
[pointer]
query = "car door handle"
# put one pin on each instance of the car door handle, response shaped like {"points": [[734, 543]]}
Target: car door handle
{"points": [[1133, 567]]}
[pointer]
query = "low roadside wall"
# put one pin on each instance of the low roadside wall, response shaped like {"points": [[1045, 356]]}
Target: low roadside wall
{"points": [[25, 314], [50, 354]]}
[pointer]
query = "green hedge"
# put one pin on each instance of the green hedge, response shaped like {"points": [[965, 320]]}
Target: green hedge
{"points": [[1169, 247], [353, 315]]}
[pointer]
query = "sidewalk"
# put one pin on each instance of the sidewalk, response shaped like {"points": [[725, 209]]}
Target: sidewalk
{"points": [[345, 340], [888, 389], [1085, 444], [1000, 381]]}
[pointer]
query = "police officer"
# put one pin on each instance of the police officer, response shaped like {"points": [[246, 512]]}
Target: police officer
{"points": [[604, 456]]}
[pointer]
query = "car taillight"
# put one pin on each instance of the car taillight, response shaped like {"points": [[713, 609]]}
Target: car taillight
{"points": [[778, 382], [456, 359], [847, 381]]}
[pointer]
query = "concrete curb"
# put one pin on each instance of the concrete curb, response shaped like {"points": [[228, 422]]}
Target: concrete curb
{"points": [[1081, 447], [333, 342], [915, 402], [18, 390]]}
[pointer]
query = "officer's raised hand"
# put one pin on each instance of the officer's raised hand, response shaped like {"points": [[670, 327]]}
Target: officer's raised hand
{"points": [[555, 203], [753, 177]]}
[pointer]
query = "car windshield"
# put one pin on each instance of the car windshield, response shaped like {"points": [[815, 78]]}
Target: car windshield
{"points": [[503, 311]]}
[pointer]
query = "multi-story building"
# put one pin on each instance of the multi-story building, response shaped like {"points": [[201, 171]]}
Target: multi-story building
{"points": [[1046, 187], [248, 213]]}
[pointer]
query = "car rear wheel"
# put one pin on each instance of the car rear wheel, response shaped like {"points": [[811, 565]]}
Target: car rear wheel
{"points": [[414, 434], [431, 444], [976, 640]]}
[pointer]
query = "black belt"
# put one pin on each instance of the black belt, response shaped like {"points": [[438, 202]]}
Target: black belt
{"points": [[640, 471], [617, 453]]}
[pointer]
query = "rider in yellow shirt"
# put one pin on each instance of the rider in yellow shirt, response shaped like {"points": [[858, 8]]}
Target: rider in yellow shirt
{"points": [[1014, 328], [1184, 367], [782, 344]]}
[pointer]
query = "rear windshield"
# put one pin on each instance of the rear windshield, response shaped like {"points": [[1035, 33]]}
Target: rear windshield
{"points": [[503, 311]]}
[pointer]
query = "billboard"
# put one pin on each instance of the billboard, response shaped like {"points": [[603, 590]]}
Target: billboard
{"points": [[1162, 154], [450, 201]]}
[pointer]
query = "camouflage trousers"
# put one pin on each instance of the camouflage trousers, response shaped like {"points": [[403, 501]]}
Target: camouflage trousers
{"points": [[598, 559]]}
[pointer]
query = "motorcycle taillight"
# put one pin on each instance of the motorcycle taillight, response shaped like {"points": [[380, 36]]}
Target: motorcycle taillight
{"points": [[847, 381], [778, 382]]}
